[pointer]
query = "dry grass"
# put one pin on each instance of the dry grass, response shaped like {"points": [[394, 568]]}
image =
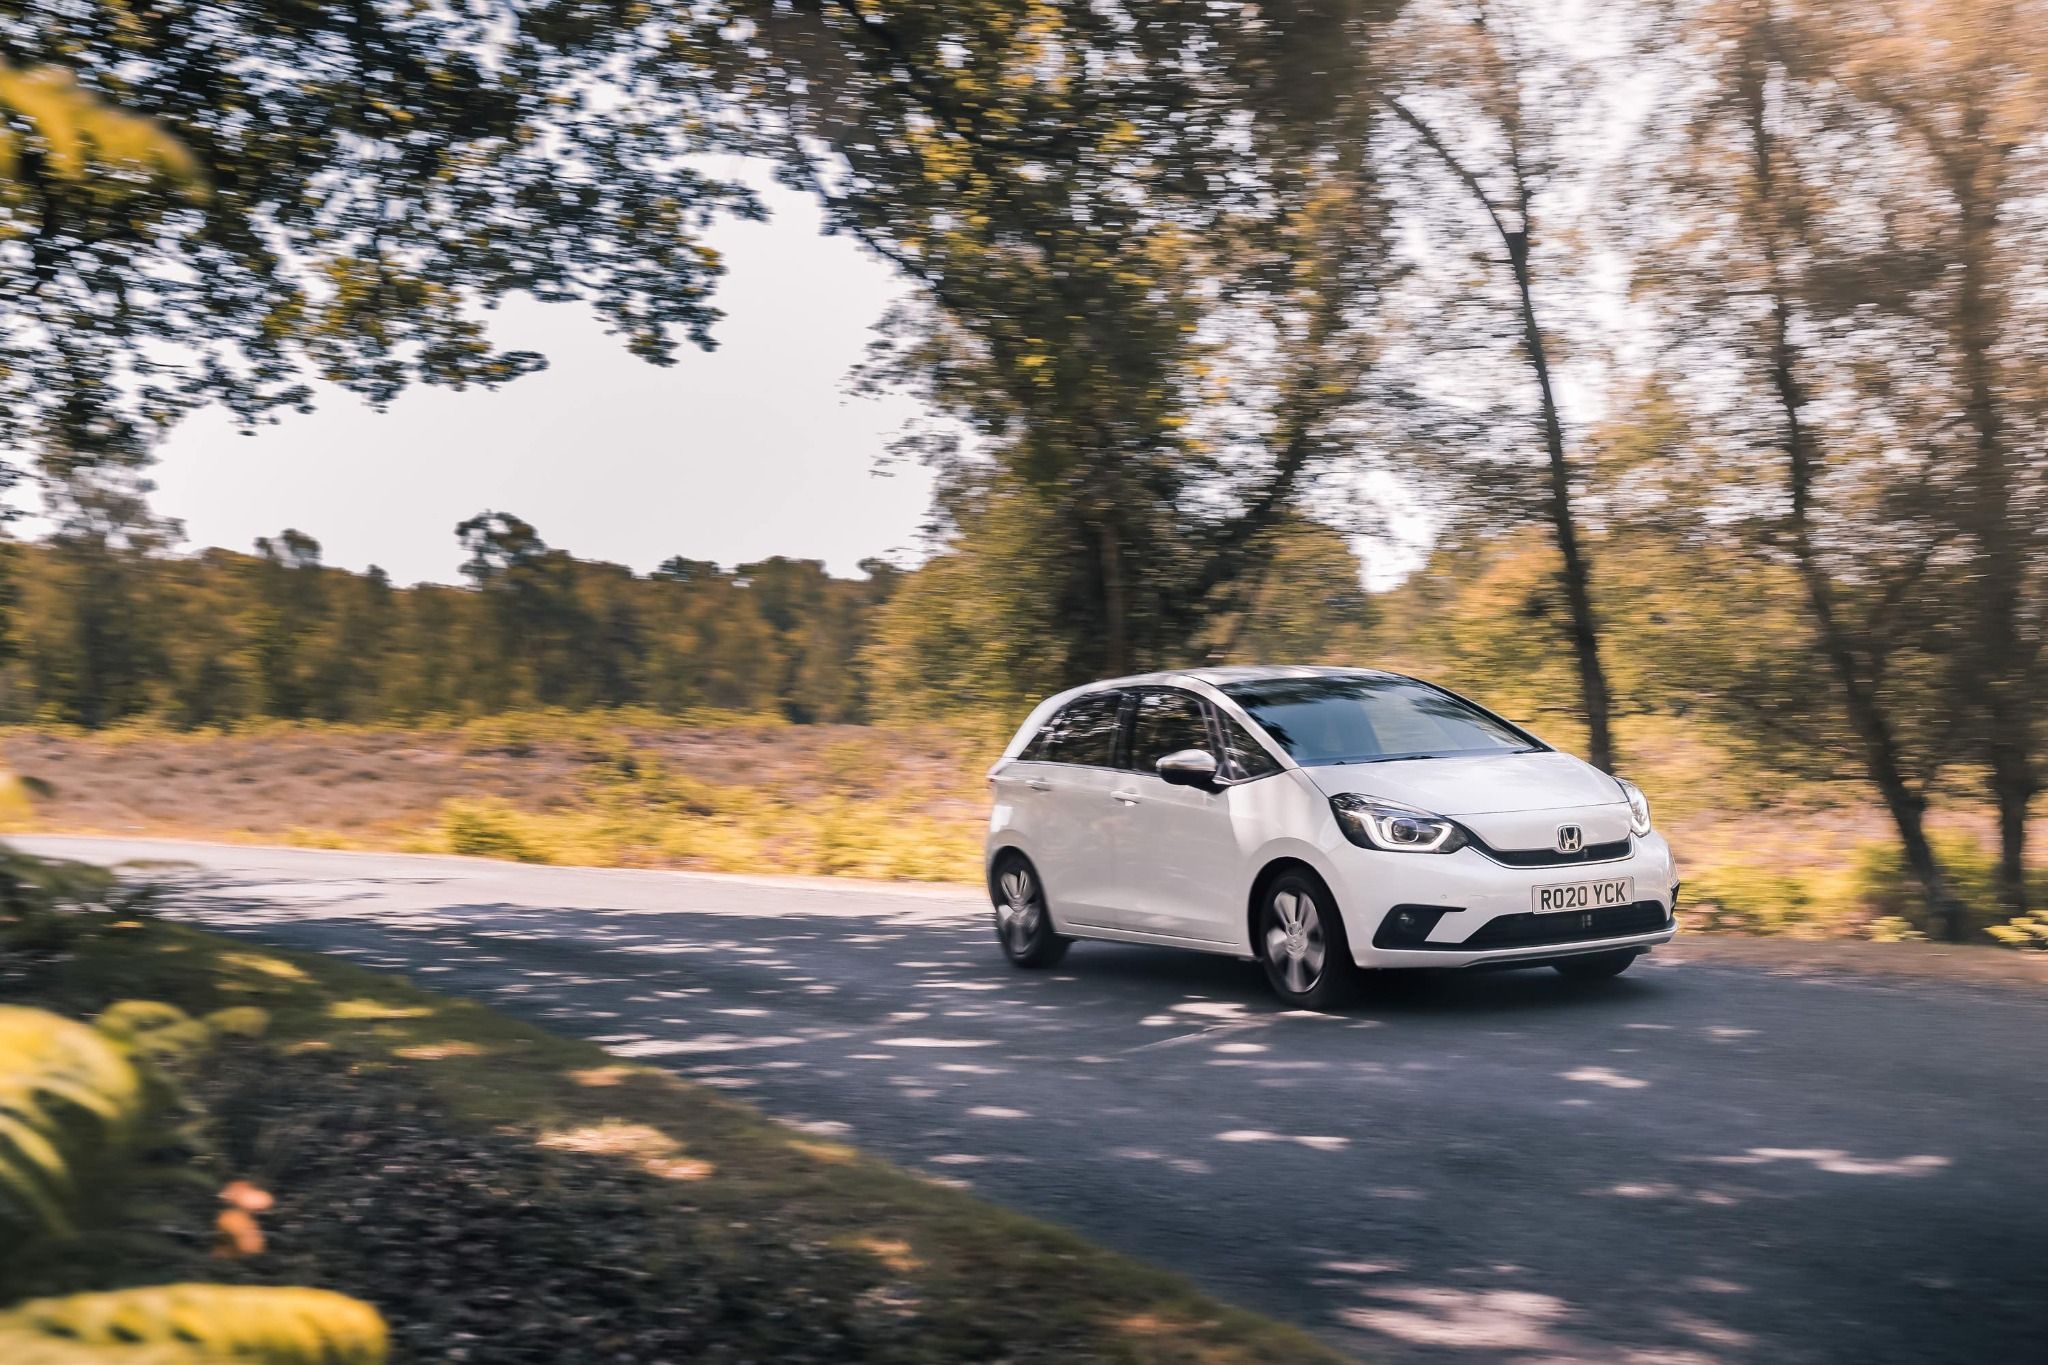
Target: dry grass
{"points": [[626, 789], [741, 794]]}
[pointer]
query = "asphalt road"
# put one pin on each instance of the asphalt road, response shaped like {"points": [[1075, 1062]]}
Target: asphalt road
{"points": [[1693, 1163]]}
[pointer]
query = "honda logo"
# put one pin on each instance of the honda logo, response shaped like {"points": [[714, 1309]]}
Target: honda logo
{"points": [[1570, 838]]}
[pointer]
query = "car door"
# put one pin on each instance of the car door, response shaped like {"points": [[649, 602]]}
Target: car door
{"points": [[1178, 870], [1069, 783]]}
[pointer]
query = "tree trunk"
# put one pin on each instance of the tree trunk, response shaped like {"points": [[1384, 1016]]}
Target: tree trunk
{"points": [[1907, 807], [1996, 664], [1577, 573], [2015, 793], [1867, 718], [1115, 626]]}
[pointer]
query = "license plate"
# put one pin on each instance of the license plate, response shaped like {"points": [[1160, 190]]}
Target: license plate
{"points": [[1585, 895]]}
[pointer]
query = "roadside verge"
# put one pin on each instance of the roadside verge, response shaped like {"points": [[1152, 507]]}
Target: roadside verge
{"points": [[505, 1194]]}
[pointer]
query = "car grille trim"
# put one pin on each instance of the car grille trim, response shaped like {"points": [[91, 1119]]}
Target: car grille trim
{"points": [[1611, 852]]}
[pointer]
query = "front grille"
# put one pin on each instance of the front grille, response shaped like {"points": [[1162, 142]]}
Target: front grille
{"points": [[1550, 857], [1531, 930]]}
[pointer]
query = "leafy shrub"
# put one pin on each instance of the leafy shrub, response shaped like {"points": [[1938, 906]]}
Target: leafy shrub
{"points": [[240, 1021], [70, 1102], [45, 903], [1887, 889], [2028, 933], [1762, 899], [1892, 929], [489, 828], [195, 1324], [157, 1030]]}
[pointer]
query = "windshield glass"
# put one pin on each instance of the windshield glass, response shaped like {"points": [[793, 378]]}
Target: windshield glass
{"points": [[1367, 719]]}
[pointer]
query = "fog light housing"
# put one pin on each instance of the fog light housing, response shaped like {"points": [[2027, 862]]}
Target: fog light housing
{"points": [[1409, 926]]}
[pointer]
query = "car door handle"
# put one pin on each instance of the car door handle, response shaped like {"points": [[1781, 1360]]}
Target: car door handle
{"points": [[1038, 784], [1129, 798]]}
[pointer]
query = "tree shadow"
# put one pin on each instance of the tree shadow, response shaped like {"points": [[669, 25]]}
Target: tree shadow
{"points": [[1678, 1164]]}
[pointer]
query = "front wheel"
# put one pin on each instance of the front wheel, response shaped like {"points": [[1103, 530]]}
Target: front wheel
{"points": [[1022, 925], [1595, 966], [1301, 942]]}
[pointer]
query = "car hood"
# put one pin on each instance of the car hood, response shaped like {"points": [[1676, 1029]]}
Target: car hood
{"points": [[1482, 784]]}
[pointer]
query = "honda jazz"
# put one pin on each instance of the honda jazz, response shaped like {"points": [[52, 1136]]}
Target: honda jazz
{"points": [[1328, 822]]}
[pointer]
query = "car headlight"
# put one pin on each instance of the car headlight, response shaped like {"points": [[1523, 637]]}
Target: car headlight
{"points": [[1638, 808], [1394, 828]]}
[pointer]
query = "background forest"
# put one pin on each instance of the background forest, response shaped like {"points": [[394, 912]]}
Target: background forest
{"points": [[1703, 344]]}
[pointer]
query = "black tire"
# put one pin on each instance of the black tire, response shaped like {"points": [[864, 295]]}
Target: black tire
{"points": [[1301, 943], [1596, 966], [1023, 925]]}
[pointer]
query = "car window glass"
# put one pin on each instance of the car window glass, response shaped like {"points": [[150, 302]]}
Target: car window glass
{"points": [[1243, 757], [1042, 745], [1082, 731], [1088, 732], [1163, 723], [1371, 718]]}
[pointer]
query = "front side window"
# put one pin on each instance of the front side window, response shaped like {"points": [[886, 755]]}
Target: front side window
{"points": [[1165, 722], [1244, 758], [1372, 719], [1082, 731]]}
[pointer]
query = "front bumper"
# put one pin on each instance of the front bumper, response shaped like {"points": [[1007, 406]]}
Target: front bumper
{"points": [[1482, 911]]}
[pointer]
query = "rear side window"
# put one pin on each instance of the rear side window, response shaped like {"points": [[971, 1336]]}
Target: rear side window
{"points": [[1165, 722], [1244, 758], [1082, 731]]}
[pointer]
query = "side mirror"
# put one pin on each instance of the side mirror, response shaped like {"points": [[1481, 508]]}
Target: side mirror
{"points": [[1189, 768]]}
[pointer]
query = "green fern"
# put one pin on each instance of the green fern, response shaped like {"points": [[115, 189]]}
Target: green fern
{"points": [[195, 1324], [69, 1100], [157, 1030]]}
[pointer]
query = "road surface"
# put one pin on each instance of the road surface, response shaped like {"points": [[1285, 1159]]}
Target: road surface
{"points": [[1694, 1163]]}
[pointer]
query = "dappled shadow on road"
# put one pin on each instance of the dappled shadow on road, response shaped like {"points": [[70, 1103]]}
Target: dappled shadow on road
{"points": [[1502, 1167]]}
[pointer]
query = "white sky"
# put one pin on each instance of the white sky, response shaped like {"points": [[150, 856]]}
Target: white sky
{"points": [[750, 450]]}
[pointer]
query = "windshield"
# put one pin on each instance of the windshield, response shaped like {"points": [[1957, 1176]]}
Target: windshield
{"points": [[1367, 719]]}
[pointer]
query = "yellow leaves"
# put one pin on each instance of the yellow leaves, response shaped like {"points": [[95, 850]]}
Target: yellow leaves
{"points": [[2028, 933], [375, 1009], [68, 1099], [154, 1029], [600, 1077], [437, 1052], [263, 964], [80, 133], [649, 1148], [892, 1252], [195, 1324]]}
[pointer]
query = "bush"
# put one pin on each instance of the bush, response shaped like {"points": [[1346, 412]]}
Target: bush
{"points": [[1887, 890], [488, 828], [2028, 933], [1761, 899]]}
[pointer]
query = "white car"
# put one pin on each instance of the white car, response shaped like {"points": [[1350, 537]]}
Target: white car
{"points": [[1325, 821]]}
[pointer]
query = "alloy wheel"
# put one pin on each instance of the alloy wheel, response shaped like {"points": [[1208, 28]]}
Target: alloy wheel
{"points": [[1019, 910], [1294, 940]]}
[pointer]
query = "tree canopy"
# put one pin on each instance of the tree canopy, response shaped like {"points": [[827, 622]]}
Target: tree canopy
{"points": [[283, 192]]}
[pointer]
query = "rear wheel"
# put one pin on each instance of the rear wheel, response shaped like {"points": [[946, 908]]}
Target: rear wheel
{"points": [[1022, 925], [1301, 942], [1595, 966]]}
